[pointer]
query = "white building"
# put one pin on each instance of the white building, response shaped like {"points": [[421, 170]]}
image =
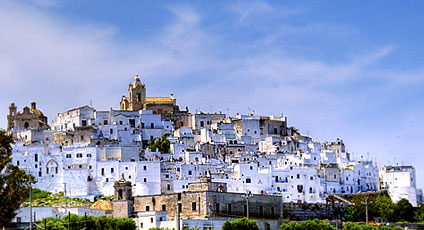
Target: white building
{"points": [[400, 181]]}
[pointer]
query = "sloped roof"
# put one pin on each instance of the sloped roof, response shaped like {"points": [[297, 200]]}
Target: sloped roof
{"points": [[159, 100]]}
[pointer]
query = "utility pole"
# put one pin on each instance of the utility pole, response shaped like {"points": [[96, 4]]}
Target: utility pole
{"points": [[30, 201], [66, 200], [85, 221], [247, 196], [366, 209]]}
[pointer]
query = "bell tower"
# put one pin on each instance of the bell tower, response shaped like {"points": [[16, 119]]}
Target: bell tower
{"points": [[136, 96], [123, 204], [11, 117]]}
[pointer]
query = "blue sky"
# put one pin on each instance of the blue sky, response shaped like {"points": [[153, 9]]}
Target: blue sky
{"points": [[347, 69]]}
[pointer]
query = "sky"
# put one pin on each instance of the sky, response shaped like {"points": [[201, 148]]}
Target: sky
{"points": [[337, 69]]}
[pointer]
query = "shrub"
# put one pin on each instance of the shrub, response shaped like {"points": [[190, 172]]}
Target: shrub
{"points": [[309, 224]]}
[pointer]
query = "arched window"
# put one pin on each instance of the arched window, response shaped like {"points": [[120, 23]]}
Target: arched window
{"points": [[120, 194]]}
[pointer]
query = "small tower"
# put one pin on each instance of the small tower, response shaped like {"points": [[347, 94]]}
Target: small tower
{"points": [[11, 117], [123, 200], [136, 96]]}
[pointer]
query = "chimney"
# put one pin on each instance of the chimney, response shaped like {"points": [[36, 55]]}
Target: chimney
{"points": [[33, 105]]}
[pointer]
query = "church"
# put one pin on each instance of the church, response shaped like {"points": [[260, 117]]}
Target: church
{"points": [[27, 119], [137, 100]]}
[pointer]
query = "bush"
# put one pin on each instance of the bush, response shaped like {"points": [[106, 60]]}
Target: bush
{"points": [[309, 224], [240, 224], [354, 226], [92, 222]]}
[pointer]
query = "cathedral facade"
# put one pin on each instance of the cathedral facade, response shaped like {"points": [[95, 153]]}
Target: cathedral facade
{"points": [[27, 119], [137, 100]]}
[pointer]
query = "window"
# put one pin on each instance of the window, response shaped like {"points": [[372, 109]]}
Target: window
{"points": [[179, 196], [17, 163], [111, 170], [168, 187], [164, 207], [144, 167], [229, 208], [90, 166], [193, 206], [79, 155], [147, 208], [132, 123], [335, 176], [310, 190], [39, 173], [107, 179], [139, 100], [272, 211], [261, 210], [36, 157], [145, 180], [300, 188], [189, 172], [217, 208], [152, 125], [180, 207], [251, 167], [80, 166], [142, 125], [248, 181], [83, 123], [89, 155], [311, 178], [120, 122], [298, 176], [18, 219], [111, 131], [202, 123], [103, 172], [104, 122]]}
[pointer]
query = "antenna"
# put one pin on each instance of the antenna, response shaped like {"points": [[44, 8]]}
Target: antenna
{"points": [[91, 103]]}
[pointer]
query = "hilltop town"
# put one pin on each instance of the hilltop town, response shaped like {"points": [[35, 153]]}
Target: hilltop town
{"points": [[165, 166]]}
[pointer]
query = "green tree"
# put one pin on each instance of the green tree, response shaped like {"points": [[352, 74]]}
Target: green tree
{"points": [[14, 182], [160, 144], [404, 210], [240, 224], [384, 207], [355, 226], [355, 212], [92, 222], [309, 224], [419, 213]]}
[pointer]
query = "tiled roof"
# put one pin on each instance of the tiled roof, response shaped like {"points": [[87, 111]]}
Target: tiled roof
{"points": [[159, 100]]}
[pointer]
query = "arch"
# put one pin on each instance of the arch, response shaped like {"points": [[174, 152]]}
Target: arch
{"points": [[120, 194], [52, 166]]}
